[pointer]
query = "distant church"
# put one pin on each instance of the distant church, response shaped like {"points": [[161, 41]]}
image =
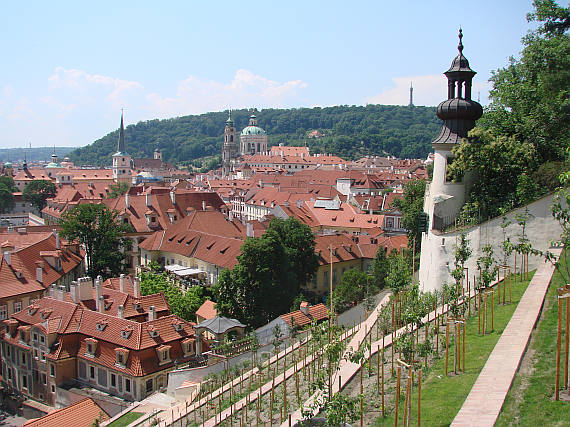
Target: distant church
{"points": [[253, 140]]}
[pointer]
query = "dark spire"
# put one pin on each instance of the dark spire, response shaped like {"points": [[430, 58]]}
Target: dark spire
{"points": [[459, 111], [121, 142], [229, 121], [411, 95]]}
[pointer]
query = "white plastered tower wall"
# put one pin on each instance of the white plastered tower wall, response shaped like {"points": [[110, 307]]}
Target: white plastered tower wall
{"points": [[229, 148], [122, 160]]}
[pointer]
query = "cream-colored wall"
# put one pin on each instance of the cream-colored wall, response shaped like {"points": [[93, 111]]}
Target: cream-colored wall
{"points": [[323, 275]]}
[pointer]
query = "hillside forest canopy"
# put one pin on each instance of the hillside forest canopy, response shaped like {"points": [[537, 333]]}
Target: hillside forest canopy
{"points": [[350, 132]]}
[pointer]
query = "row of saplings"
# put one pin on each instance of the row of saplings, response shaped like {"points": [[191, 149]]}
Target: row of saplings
{"points": [[419, 330]]}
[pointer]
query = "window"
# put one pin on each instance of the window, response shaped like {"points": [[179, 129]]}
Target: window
{"points": [[53, 388], [35, 336], [149, 385], [24, 381], [23, 358], [127, 385], [44, 379], [91, 372], [42, 339], [113, 380], [52, 370], [3, 312], [17, 306]]}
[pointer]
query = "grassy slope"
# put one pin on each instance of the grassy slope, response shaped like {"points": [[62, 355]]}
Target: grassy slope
{"points": [[531, 398], [126, 419], [442, 396]]}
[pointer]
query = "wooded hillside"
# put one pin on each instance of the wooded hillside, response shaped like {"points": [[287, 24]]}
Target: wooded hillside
{"points": [[350, 132]]}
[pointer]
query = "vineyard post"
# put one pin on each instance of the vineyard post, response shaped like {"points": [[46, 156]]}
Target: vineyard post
{"points": [[558, 345], [446, 346], [397, 398]]}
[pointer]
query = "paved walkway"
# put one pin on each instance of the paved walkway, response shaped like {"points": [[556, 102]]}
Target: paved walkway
{"points": [[484, 402]]}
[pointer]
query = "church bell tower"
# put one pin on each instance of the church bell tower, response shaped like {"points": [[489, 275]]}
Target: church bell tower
{"points": [[229, 149], [121, 159]]}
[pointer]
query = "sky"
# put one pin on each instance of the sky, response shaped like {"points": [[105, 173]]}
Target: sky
{"points": [[69, 68]]}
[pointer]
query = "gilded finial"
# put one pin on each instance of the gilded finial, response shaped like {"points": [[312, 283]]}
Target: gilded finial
{"points": [[460, 47]]}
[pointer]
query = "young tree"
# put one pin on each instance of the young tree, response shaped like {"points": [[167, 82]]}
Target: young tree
{"points": [[412, 205], [100, 232], [380, 268], [117, 190], [351, 289], [400, 275], [38, 191]]}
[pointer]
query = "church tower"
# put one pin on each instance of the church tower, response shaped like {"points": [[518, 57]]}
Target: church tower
{"points": [[157, 153], [459, 113], [229, 149], [121, 159]]}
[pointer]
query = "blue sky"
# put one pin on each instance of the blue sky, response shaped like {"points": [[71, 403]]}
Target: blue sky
{"points": [[69, 67]]}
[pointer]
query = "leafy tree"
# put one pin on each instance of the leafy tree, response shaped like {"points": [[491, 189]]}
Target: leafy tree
{"points": [[487, 267], [101, 233], [299, 242], [117, 190], [351, 289], [496, 162], [38, 191], [270, 268], [400, 275], [529, 98], [183, 304], [8, 182], [6, 199], [412, 205], [380, 268]]}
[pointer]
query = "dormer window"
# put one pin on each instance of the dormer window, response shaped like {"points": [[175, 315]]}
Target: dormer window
{"points": [[163, 353], [153, 331], [32, 309], [121, 357], [178, 325], [137, 305], [90, 347], [126, 333], [100, 326], [45, 313], [188, 346]]}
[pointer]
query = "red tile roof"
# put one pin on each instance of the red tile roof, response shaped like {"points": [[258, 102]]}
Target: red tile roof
{"points": [[207, 310], [316, 312], [80, 414]]}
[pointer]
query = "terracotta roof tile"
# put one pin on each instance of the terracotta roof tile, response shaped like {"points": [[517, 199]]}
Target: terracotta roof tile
{"points": [[80, 414]]}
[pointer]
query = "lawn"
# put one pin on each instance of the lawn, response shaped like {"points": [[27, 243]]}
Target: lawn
{"points": [[442, 397], [126, 419], [531, 398]]}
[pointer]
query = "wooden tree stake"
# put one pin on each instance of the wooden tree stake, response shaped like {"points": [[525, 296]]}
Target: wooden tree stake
{"points": [[397, 397]]}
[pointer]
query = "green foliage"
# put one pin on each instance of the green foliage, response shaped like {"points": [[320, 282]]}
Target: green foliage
{"points": [[487, 268], [380, 268], [497, 163], [351, 132], [342, 409], [269, 273], [117, 190], [400, 275], [412, 205], [38, 191], [183, 304], [100, 232], [6, 196], [352, 289]]}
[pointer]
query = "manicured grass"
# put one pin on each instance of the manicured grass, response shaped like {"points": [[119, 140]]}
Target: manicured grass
{"points": [[126, 419], [442, 396], [531, 398]]}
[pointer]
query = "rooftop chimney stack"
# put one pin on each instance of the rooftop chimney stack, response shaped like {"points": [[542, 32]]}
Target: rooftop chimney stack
{"points": [[39, 274], [137, 287], [249, 229], [8, 257], [151, 313], [127, 201], [203, 205], [122, 282], [305, 308], [98, 292], [101, 304], [173, 197], [147, 200], [121, 311]]}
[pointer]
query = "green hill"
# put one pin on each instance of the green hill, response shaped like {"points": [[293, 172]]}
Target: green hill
{"points": [[33, 154], [350, 132]]}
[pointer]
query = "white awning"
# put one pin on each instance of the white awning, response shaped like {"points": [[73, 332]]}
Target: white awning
{"points": [[183, 271]]}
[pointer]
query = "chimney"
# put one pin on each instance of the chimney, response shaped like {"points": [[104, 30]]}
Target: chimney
{"points": [[203, 205], [85, 291], [61, 293], [249, 229], [137, 287], [173, 197], [127, 201], [98, 293], [74, 291], [8, 257], [57, 242], [299, 203], [39, 274], [101, 304], [151, 313], [231, 215], [147, 200], [120, 311], [122, 282], [305, 308]]}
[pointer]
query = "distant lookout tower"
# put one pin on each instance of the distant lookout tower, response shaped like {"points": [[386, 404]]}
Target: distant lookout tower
{"points": [[411, 104]]}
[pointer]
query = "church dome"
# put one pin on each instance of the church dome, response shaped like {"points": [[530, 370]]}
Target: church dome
{"points": [[8, 164], [252, 130], [459, 108]]}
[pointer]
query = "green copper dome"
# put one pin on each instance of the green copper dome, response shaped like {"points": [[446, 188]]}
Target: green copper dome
{"points": [[252, 130]]}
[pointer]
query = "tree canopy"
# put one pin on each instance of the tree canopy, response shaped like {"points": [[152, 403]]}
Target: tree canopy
{"points": [[412, 205], [97, 228], [350, 132], [270, 272], [38, 191], [7, 187]]}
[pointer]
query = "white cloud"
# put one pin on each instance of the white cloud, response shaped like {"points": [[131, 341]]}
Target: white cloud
{"points": [[429, 90], [196, 95]]}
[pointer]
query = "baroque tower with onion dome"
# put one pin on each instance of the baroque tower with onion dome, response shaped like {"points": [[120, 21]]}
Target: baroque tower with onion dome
{"points": [[444, 197]]}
